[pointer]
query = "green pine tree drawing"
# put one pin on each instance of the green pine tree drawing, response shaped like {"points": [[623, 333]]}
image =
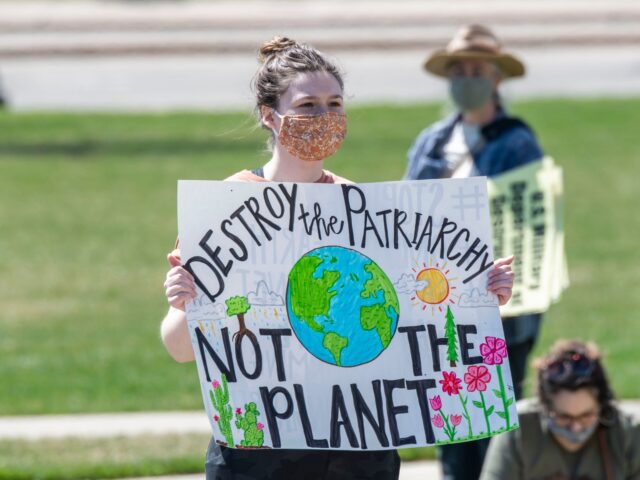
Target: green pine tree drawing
{"points": [[452, 340]]}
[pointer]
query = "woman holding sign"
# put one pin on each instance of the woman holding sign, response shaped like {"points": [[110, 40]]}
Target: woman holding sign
{"points": [[300, 101]]}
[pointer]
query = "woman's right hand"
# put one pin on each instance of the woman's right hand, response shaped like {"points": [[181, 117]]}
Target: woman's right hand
{"points": [[179, 285]]}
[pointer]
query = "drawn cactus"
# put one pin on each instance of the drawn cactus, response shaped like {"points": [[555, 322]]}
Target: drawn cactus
{"points": [[220, 400], [248, 423]]}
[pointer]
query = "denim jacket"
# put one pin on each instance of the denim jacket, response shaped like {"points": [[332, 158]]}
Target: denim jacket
{"points": [[512, 148]]}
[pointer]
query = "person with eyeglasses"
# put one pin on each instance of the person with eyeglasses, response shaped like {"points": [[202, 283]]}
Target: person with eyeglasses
{"points": [[573, 430]]}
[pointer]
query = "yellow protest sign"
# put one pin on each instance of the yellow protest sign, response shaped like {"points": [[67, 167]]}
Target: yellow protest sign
{"points": [[527, 218]]}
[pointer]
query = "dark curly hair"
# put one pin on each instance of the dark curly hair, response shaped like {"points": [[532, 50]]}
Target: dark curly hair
{"points": [[594, 377]]}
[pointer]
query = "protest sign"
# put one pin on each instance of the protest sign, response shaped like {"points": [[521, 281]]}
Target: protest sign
{"points": [[527, 219], [351, 317]]}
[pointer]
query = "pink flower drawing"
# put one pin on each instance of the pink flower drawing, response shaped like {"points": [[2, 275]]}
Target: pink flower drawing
{"points": [[259, 426], [437, 421], [450, 383], [216, 418], [455, 420], [477, 378], [238, 411], [493, 350], [215, 384], [436, 402]]}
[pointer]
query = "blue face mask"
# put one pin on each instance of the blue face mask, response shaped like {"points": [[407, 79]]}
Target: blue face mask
{"points": [[470, 93], [577, 438]]}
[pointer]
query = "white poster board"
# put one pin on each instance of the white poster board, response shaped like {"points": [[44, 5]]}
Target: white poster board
{"points": [[345, 316]]}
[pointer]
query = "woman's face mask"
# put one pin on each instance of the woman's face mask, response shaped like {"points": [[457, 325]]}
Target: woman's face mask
{"points": [[470, 93], [312, 137]]}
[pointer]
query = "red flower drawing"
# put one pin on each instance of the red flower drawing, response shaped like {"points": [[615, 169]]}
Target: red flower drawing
{"points": [[493, 351], [238, 411], [477, 378], [437, 421], [216, 418], [455, 420], [436, 402], [215, 384], [450, 383]]}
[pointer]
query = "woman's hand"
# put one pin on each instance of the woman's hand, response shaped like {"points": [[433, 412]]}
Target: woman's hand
{"points": [[179, 285], [500, 279]]}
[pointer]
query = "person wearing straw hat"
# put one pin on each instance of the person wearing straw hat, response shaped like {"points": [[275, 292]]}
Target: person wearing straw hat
{"points": [[480, 138]]}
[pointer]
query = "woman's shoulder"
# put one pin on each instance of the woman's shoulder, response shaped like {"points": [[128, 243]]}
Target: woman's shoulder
{"points": [[629, 423], [244, 176]]}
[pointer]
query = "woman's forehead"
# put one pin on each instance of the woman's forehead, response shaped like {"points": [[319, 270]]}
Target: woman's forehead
{"points": [[313, 84], [578, 401]]}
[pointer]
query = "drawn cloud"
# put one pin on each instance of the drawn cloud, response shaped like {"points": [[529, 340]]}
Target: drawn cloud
{"points": [[263, 297], [474, 299], [408, 284], [205, 309]]}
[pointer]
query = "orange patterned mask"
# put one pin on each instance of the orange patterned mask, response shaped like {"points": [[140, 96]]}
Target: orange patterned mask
{"points": [[313, 137]]}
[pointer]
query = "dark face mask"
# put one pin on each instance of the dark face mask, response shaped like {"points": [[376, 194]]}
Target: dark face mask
{"points": [[470, 93]]}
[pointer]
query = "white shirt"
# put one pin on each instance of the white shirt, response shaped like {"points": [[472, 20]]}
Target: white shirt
{"points": [[465, 138]]}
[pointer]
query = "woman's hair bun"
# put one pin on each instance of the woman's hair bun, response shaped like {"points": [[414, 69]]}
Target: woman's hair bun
{"points": [[275, 46]]}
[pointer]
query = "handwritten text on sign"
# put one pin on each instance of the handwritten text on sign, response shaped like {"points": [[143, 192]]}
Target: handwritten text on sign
{"points": [[345, 316]]}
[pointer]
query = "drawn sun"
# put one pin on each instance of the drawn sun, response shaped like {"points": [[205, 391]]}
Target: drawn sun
{"points": [[437, 286]]}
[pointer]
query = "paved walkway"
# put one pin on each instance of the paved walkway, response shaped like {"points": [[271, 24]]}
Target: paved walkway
{"points": [[201, 55], [116, 424], [421, 470], [159, 423]]}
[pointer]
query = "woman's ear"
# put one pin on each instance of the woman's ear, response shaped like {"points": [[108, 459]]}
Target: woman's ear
{"points": [[267, 117]]}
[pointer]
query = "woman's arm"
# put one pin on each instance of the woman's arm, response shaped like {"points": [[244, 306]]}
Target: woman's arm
{"points": [[179, 287]]}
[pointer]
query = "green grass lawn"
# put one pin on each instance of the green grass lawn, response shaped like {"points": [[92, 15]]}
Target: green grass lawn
{"points": [[88, 213], [116, 457]]}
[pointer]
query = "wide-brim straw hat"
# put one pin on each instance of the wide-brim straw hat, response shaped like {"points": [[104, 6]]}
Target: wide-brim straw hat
{"points": [[474, 42]]}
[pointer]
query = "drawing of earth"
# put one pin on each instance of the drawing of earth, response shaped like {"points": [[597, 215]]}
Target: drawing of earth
{"points": [[342, 306]]}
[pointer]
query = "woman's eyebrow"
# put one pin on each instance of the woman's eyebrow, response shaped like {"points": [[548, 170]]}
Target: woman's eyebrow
{"points": [[315, 97]]}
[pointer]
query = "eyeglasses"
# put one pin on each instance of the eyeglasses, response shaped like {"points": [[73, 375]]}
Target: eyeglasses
{"points": [[584, 419], [575, 365]]}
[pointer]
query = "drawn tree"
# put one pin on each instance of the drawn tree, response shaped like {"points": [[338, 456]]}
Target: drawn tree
{"points": [[452, 340], [238, 306]]}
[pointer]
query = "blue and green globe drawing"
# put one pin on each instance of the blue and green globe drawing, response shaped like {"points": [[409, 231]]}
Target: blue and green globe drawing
{"points": [[342, 306]]}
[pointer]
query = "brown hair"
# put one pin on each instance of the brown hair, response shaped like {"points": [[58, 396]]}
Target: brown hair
{"points": [[596, 379], [281, 60]]}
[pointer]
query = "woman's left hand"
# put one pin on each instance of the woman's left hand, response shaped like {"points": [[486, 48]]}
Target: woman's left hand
{"points": [[500, 279]]}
